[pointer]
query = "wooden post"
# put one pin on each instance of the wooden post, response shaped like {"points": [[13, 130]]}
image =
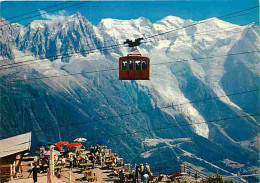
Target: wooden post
{"points": [[183, 168], [12, 173], [51, 161], [70, 177], [48, 176]]}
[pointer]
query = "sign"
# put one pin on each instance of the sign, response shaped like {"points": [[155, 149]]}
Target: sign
{"points": [[5, 171]]}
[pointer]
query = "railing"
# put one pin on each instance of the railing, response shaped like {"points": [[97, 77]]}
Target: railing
{"points": [[195, 173], [167, 170], [186, 169]]}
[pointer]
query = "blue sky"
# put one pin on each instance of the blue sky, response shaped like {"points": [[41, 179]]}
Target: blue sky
{"points": [[153, 10]]}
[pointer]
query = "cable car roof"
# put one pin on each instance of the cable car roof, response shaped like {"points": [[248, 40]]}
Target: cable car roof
{"points": [[134, 52]]}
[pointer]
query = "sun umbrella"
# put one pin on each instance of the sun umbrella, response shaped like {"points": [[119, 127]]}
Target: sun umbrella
{"points": [[62, 143], [55, 153], [74, 145], [80, 140], [58, 148]]}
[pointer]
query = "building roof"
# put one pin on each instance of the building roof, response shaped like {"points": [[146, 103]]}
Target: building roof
{"points": [[14, 145]]}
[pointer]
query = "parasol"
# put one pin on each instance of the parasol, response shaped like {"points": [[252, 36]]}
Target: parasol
{"points": [[62, 143], [80, 140], [58, 148], [74, 145], [55, 153]]}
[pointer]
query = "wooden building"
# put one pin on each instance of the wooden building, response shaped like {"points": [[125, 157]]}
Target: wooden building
{"points": [[12, 150]]}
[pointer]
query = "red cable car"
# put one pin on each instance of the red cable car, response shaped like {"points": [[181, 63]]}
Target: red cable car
{"points": [[134, 66]]}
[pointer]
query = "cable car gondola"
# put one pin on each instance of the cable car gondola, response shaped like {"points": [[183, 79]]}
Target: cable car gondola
{"points": [[134, 66]]}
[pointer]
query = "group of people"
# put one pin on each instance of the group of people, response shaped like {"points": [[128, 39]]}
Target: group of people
{"points": [[142, 172], [105, 158], [98, 155], [139, 173]]}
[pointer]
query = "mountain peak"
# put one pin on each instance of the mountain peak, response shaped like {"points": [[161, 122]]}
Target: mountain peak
{"points": [[77, 15], [172, 18], [169, 21], [111, 22], [3, 21], [218, 22], [143, 19], [38, 24]]}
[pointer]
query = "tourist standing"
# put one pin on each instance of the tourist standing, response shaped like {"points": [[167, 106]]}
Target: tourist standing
{"points": [[35, 173], [147, 169], [137, 169], [142, 171]]}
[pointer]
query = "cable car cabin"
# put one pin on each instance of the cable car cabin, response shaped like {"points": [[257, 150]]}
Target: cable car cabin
{"points": [[134, 67]]}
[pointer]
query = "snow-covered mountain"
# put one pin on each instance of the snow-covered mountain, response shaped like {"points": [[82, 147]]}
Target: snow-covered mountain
{"points": [[59, 96]]}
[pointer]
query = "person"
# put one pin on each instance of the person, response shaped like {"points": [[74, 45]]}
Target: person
{"points": [[35, 173], [71, 164], [136, 173], [58, 172], [59, 163], [77, 153], [86, 159], [114, 161], [63, 161], [121, 176], [56, 158], [147, 169], [160, 178], [91, 149], [142, 171], [74, 161], [21, 170], [196, 175], [146, 178], [151, 177], [42, 151], [101, 161]]}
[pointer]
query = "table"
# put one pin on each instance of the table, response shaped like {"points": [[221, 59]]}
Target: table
{"points": [[57, 167], [79, 158], [87, 171], [108, 161], [91, 178], [118, 168], [127, 173], [87, 165]]}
